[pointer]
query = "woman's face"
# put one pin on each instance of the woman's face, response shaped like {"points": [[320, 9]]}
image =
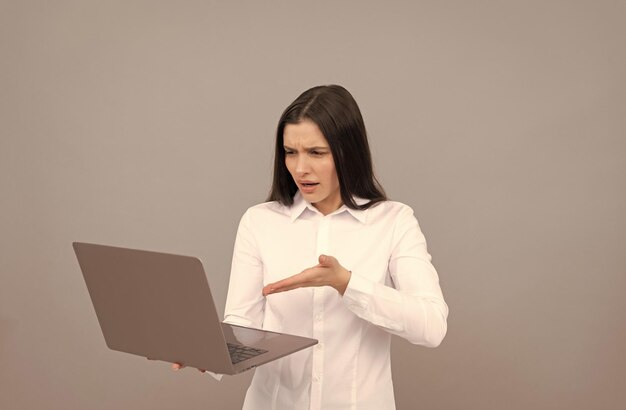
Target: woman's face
{"points": [[310, 163]]}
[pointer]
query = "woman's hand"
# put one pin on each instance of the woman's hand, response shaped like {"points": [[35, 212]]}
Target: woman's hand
{"points": [[327, 273], [178, 366]]}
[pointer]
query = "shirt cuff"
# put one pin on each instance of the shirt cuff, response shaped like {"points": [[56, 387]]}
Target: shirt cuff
{"points": [[216, 376], [358, 292]]}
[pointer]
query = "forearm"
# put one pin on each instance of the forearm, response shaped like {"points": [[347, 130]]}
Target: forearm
{"points": [[245, 304], [419, 317]]}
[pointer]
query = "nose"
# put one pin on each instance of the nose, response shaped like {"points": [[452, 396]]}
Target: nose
{"points": [[302, 165]]}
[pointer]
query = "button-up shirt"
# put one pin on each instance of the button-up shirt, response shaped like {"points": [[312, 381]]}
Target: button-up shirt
{"points": [[393, 289]]}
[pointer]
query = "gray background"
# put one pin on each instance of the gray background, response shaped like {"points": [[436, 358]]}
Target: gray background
{"points": [[150, 124]]}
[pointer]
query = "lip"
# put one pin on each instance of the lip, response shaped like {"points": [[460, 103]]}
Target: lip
{"points": [[307, 189]]}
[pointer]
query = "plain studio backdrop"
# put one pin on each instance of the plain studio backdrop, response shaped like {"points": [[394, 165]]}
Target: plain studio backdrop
{"points": [[150, 124]]}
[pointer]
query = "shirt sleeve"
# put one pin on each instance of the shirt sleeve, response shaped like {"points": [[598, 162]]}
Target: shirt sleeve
{"points": [[245, 304], [413, 308]]}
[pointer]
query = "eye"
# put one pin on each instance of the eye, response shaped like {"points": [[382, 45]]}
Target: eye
{"points": [[317, 153], [287, 152]]}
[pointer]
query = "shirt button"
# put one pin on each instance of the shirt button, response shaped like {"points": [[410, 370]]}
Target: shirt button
{"points": [[318, 317], [316, 378]]}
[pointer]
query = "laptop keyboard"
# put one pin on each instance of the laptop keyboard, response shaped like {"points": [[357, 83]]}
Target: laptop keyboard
{"points": [[240, 353]]}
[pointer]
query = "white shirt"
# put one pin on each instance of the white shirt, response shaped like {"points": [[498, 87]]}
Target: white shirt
{"points": [[394, 289]]}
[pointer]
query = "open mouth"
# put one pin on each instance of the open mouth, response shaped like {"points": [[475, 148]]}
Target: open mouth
{"points": [[308, 187]]}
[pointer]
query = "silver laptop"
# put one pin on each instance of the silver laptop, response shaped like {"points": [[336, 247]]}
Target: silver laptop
{"points": [[159, 305]]}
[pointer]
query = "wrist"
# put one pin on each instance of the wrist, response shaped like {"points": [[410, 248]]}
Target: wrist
{"points": [[343, 283]]}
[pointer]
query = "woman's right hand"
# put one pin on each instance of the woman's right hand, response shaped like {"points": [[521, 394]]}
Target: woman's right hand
{"points": [[178, 366]]}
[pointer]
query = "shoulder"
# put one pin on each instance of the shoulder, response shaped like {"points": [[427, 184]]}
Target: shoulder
{"points": [[391, 211], [393, 215], [264, 211], [264, 207], [400, 219]]}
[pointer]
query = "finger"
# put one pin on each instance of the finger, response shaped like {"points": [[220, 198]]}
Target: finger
{"points": [[274, 288], [177, 366], [324, 260], [277, 288], [286, 288], [202, 370], [281, 284], [291, 284]]}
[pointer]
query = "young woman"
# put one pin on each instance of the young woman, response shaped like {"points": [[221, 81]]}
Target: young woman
{"points": [[329, 257]]}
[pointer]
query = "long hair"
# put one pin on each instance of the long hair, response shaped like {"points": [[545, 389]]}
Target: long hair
{"points": [[337, 115]]}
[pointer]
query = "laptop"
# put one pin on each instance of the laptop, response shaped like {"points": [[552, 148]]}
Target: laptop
{"points": [[159, 305]]}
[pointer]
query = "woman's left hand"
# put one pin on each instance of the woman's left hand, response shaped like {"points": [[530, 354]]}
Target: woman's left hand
{"points": [[327, 273]]}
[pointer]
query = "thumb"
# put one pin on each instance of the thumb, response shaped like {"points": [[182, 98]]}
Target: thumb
{"points": [[327, 260]]}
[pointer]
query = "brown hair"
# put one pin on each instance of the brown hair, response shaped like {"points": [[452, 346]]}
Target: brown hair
{"points": [[337, 115]]}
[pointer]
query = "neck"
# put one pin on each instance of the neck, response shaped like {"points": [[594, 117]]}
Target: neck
{"points": [[327, 207]]}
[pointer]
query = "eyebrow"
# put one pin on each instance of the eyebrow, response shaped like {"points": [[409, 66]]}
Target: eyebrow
{"points": [[306, 148]]}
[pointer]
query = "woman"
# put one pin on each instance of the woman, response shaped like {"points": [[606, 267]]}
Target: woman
{"points": [[329, 257]]}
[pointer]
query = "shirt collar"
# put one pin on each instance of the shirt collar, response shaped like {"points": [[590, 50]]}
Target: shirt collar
{"points": [[300, 204]]}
